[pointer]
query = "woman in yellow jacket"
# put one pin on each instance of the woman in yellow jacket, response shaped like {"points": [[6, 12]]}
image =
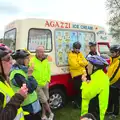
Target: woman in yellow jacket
{"points": [[114, 75], [77, 64]]}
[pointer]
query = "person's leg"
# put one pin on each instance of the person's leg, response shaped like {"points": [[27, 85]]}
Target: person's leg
{"points": [[94, 107], [116, 101], [103, 102], [77, 84], [111, 97], [43, 111], [47, 106], [43, 100], [84, 106]]}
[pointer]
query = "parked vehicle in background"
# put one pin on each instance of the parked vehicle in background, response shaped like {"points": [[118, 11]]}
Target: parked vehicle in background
{"points": [[57, 37]]}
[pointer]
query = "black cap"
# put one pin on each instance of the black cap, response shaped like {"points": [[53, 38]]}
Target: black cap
{"points": [[77, 45], [92, 44]]}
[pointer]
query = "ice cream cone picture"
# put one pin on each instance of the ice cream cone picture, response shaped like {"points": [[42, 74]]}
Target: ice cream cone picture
{"points": [[49, 58]]}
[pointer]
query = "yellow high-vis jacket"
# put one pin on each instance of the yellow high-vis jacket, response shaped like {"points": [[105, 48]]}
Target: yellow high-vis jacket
{"points": [[114, 70], [77, 63]]}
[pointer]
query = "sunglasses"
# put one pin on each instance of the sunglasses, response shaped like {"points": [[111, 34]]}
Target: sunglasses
{"points": [[77, 49]]}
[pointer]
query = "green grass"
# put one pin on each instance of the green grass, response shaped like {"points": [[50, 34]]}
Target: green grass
{"points": [[69, 113]]}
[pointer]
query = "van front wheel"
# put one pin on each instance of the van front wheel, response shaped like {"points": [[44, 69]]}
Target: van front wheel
{"points": [[57, 99]]}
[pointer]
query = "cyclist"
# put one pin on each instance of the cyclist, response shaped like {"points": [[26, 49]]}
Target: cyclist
{"points": [[20, 73], [114, 75], [98, 85], [10, 102]]}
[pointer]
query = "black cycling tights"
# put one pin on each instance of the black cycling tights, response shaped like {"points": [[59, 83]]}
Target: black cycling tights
{"points": [[94, 107], [114, 101]]}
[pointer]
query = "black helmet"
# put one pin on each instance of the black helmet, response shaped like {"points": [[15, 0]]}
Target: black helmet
{"points": [[77, 45], [92, 44], [20, 54], [89, 116], [115, 48], [4, 50]]}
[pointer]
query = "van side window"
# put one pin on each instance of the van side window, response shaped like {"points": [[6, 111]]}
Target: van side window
{"points": [[10, 39], [64, 40], [37, 37]]}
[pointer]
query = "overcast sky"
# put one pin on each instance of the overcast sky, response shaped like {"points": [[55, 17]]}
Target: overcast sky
{"points": [[83, 11]]}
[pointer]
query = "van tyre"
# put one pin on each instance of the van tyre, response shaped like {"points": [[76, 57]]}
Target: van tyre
{"points": [[57, 99]]}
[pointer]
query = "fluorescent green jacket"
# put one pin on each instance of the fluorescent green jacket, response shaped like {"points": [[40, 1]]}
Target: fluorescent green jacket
{"points": [[41, 71], [31, 98], [99, 84], [7, 91]]}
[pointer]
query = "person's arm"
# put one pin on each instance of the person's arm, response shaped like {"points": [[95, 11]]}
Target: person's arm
{"points": [[89, 55], [49, 72], [88, 87], [32, 84], [9, 112], [19, 80], [89, 90], [87, 75], [82, 61], [74, 63]]}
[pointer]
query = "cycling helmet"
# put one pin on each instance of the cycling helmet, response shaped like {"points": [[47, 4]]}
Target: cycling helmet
{"points": [[89, 116], [92, 44], [115, 48], [27, 51], [77, 45], [4, 50], [20, 54], [97, 61]]}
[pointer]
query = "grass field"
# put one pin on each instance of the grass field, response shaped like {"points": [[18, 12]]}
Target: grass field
{"points": [[68, 113]]}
